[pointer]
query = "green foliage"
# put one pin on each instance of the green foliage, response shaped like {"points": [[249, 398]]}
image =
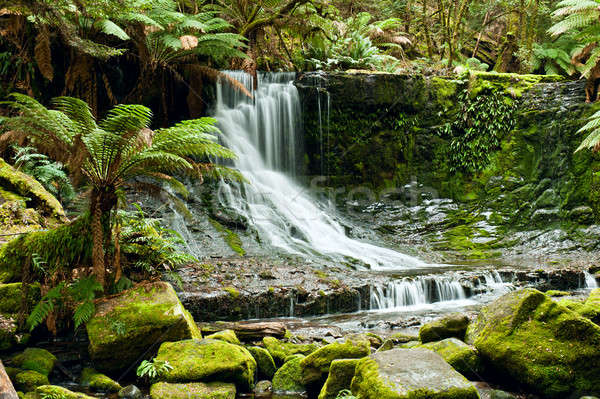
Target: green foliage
{"points": [[592, 127], [49, 173], [52, 395], [153, 369], [554, 57], [148, 246], [477, 131], [80, 294]]}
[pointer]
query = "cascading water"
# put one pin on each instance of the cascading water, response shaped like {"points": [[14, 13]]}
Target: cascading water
{"points": [[265, 134]]}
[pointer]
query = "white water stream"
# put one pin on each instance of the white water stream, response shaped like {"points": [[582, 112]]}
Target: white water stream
{"points": [[265, 133]]}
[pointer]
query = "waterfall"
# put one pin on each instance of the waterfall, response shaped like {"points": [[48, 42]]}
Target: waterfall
{"points": [[590, 281], [418, 291], [265, 133]]}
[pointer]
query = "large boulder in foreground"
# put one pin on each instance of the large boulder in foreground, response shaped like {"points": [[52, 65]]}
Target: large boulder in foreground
{"points": [[125, 326], [539, 344], [287, 379], [453, 325], [464, 358], [340, 377], [409, 374], [193, 390], [208, 360], [316, 365]]}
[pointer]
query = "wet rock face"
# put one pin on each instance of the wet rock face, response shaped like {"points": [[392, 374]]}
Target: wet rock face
{"points": [[409, 373], [194, 390], [535, 342], [462, 357]]}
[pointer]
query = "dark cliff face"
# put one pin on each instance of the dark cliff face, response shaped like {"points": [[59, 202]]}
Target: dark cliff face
{"points": [[494, 141]]}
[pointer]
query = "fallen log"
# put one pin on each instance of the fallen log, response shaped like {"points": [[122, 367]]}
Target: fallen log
{"points": [[7, 390], [247, 331]]}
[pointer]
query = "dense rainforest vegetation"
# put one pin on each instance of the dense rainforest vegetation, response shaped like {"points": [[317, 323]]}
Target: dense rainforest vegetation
{"points": [[104, 107]]}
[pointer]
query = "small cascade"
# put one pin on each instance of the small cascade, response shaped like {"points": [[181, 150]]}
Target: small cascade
{"points": [[589, 280]]}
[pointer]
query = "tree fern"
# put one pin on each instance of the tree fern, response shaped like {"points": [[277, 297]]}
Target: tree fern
{"points": [[592, 127], [45, 306]]}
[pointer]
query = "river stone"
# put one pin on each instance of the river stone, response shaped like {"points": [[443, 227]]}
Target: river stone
{"points": [[409, 374], [280, 350], [263, 387], [453, 325], [208, 360], [288, 378], [264, 362], [225, 335], [464, 358], [340, 377], [386, 346], [497, 394], [130, 392], [192, 390], [98, 382], [316, 365], [35, 359], [54, 391], [135, 320], [539, 344], [28, 380]]}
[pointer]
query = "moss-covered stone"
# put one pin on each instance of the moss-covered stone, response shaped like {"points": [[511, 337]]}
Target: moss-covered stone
{"points": [[409, 374], [225, 335], [264, 362], [340, 377], [54, 391], [557, 293], [131, 322], [464, 358], [536, 342], [402, 338], [193, 390], [288, 378], [452, 325], [280, 350], [28, 380], [208, 360], [35, 359], [12, 372], [386, 346], [29, 188], [98, 382], [316, 365]]}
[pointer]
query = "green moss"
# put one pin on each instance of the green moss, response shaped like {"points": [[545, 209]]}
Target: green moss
{"points": [[225, 335], [27, 187], [340, 377], [280, 350], [27, 381], [452, 325], [208, 360], [539, 343], [232, 291], [511, 83], [194, 390], [556, 293], [150, 314], [264, 361], [53, 391], [462, 357], [231, 238], [35, 359], [402, 338], [98, 382], [65, 247], [316, 365], [287, 379]]}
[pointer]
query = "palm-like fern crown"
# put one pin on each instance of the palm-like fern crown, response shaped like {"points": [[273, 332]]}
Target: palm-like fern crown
{"points": [[118, 148]]}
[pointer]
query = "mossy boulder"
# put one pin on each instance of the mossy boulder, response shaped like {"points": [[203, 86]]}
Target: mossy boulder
{"points": [[12, 372], [27, 187], [28, 380], [464, 358], [539, 344], [225, 335], [316, 365], [131, 322], [280, 350], [409, 374], [453, 325], [35, 359], [288, 378], [340, 377], [589, 309], [54, 391], [208, 360], [264, 362], [98, 382], [402, 338], [192, 390]]}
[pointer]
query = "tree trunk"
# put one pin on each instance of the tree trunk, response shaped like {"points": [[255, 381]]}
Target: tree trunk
{"points": [[248, 331], [7, 391], [99, 269]]}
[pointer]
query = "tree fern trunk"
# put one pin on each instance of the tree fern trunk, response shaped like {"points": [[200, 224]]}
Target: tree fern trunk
{"points": [[98, 238]]}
